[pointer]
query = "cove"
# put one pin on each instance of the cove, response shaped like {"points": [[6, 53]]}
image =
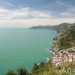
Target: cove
{"points": [[20, 47]]}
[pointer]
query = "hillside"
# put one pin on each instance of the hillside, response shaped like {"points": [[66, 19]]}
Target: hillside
{"points": [[57, 28], [62, 27], [65, 40]]}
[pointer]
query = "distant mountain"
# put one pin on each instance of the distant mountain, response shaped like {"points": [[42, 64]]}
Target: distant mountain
{"points": [[42, 27], [62, 27], [56, 28]]}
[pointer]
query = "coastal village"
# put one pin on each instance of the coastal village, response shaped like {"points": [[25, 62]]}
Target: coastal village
{"points": [[62, 56]]}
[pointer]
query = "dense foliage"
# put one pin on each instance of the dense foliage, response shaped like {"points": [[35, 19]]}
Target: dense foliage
{"points": [[11, 73], [48, 69], [67, 39]]}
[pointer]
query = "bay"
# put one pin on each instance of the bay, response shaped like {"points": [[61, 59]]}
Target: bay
{"points": [[20, 47]]}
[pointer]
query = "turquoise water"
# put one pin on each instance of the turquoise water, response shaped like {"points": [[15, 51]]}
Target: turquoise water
{"points": [[24, 47]]}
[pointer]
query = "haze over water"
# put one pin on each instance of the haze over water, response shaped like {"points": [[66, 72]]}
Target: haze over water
{"points": [[24, 47]]}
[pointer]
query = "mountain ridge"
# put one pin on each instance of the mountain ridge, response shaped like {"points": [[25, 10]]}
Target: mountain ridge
{"points": [[57, 28]]}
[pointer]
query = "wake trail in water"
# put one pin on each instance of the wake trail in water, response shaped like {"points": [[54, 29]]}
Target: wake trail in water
{"points": [[20, 59]]}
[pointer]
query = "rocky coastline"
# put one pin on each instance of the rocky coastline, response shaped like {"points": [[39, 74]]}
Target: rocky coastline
{"points": [[54, 48]]}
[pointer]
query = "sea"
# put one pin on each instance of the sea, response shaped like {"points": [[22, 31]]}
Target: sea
{"points": [[22, 47]]}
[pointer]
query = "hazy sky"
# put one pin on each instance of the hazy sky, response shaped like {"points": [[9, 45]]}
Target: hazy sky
{"points": [[26, 13]]}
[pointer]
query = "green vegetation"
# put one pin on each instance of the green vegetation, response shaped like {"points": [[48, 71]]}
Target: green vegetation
{"points": [[35, 69], [21, 71], [66, 39], [71, 51], [11, 73], [48, 69]]}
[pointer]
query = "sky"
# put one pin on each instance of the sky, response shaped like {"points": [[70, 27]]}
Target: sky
{"points": [[27, 13]]}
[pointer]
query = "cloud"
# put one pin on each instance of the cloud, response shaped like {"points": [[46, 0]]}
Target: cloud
{"points": [[69, 9], [7, 3], [13, 14], [59, 2], [66, 4], [3, 10], [67, 14], [70, 12], [23, 13], [26, 17], [38, 14]]}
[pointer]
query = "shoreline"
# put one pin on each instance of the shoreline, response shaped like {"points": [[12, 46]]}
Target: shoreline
{"points": [[54, 49], [49, 59]]}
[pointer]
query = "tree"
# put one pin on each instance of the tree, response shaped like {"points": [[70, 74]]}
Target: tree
{"points": [[64, 73], [42, 64], [11, 73], [59, 67], [22, 71], [35, 68]]}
